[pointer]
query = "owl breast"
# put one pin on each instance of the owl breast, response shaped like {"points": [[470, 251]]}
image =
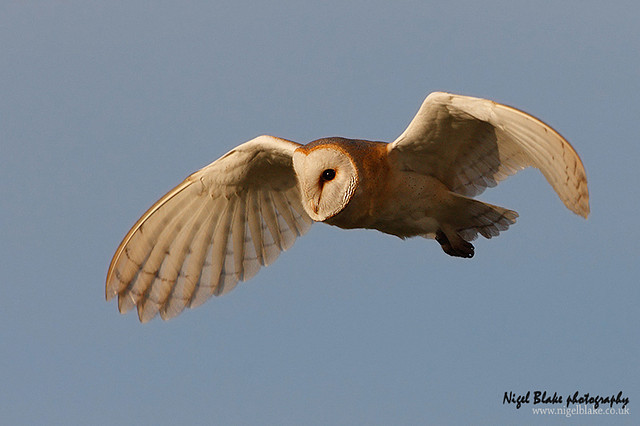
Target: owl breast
{"points": [[399, 203]]}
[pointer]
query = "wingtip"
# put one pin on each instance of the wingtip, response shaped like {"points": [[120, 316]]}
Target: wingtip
{"points": [[581, 210], [109, 292], [585, 213], [108, 295], [582, 207]]}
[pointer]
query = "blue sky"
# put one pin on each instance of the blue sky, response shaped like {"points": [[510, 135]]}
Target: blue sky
{"points": [[104, 106]]}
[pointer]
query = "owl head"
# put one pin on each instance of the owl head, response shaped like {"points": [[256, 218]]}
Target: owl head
{"points": [[327, 175]]}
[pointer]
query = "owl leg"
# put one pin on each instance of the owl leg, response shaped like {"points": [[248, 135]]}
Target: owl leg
{"points": [[453, 244]]}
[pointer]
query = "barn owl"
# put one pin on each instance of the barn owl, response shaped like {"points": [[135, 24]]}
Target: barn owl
{"points": [[237, 214]]}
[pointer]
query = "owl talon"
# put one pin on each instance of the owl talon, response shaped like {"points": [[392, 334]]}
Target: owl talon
{"points": [[462, 248]]}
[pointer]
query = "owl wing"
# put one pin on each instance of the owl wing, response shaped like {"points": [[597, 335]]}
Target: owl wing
{"points": [[470, 144], [216, 228]]}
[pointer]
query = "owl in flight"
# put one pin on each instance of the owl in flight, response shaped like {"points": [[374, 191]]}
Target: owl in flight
{"points": [[238, 213]]}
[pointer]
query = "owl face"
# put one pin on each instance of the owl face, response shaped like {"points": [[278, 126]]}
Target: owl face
{"points": [[328, 178]]}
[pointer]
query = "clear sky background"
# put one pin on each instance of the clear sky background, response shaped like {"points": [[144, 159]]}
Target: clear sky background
{"points": [[105, 106]]}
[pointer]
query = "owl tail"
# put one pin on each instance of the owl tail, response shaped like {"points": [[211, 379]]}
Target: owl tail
{"points": [[466, 219]]}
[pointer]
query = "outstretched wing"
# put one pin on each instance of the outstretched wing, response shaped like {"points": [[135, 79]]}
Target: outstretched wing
{"points": [[470, 144], [216, 228]]}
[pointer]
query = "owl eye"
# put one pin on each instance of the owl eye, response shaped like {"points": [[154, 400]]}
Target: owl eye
{"points": [[328, 175]]}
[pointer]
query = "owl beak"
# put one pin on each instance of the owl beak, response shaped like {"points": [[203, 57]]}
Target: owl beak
{"points": [[312, 205], [315, 206]]}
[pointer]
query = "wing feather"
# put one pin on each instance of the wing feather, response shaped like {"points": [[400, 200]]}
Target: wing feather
{"points": [[250, 263], [219, 266], [191, 268], [285, 220], [160, 289], [271, 246], [216, 228], [238, 228], [270, 218], [254, 223]]}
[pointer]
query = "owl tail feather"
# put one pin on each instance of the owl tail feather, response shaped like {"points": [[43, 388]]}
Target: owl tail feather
{"points": [[468, 218]]}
